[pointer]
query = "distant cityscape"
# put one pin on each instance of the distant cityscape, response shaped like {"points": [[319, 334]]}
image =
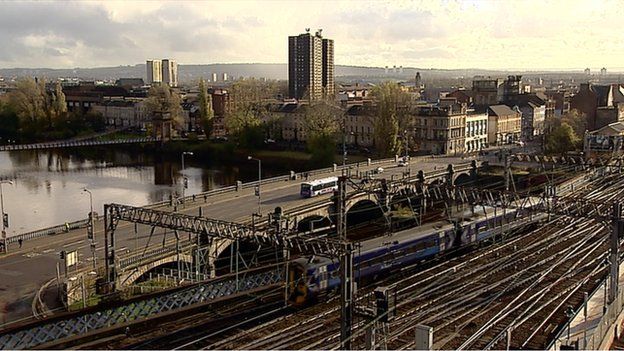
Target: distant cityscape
{"points": [[452, 113]]}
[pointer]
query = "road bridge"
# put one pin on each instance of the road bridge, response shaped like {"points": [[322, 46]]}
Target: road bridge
{"points": [[377, 194]]}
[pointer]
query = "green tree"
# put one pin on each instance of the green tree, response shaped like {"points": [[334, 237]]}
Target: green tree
{"points": [[205, 108], [27, 100], [321, 124], [392, 115], [9, 123], [249, 101], [556, 136], [561, 139], [577, 120], [162, 98], [59, 104]]}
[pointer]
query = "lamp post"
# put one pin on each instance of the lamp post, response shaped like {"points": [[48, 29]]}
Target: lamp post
{"points": [[5, 216], [344, 148], [259, 181], [406, 141], [90, 228], [184, 179]]}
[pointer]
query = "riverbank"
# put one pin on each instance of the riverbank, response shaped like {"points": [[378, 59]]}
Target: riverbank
{"points": [[209, 153]]}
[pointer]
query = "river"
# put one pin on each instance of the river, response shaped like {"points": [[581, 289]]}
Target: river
{"points": [[47, 185]]}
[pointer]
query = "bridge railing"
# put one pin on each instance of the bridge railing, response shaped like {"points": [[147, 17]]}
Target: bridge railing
{"points": [[283, 178], [140, 257], [59, 229]]}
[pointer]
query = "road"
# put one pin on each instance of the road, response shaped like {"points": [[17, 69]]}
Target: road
{"points": [[23, 270]]}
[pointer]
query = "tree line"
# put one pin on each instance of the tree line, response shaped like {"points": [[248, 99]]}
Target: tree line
{"points": [[32, 112]]}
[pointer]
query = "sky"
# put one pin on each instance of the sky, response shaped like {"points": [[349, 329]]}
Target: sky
{"points": [[489, 34]]}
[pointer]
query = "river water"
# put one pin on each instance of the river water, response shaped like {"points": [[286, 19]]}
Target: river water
{"points": [[48, 185]]}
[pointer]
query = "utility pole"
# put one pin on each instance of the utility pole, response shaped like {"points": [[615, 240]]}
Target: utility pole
{"points": [[91, 228], [615, 265], [5, 217], [346, 267], [507, 166], [257, 189]]}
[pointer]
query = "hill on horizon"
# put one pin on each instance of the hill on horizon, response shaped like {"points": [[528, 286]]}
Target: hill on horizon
{"points": [[189, 73]]}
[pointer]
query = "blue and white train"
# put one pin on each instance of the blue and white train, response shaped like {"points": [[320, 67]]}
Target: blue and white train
{"points": [[312, 277]]}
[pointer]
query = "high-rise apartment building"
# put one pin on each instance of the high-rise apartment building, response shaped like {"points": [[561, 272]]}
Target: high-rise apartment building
{"points": [[310, 66], [170, 72], [162, 71], [154, 71]]}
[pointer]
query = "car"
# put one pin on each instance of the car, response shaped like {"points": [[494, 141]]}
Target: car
{"points": [[378, 170], [403, 162]]}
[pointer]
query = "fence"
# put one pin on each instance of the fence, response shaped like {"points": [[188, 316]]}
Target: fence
{"points": [[598, 332]]}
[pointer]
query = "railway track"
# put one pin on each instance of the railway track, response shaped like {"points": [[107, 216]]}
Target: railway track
{"points": [[519, 287]]}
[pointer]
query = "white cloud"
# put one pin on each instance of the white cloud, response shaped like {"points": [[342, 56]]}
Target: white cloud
{"points": [[528, 34]]}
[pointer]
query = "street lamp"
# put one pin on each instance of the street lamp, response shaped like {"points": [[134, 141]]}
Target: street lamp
{"points": [[259, 181], [90, 228], [406, 141], [344, 148], [5, 216], [184, 178]]}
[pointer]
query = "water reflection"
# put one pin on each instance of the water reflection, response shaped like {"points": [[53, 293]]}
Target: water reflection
{"points": [[47, 185]]}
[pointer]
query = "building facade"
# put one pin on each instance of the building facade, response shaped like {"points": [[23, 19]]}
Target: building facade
{"points": [[592, 98], [162, 71], [487, 91], [504, 125], [329, 85], [310, 66], [154, 71], [476, 131], [533, 120], [170, 72], [123, 113], [440, 130]]}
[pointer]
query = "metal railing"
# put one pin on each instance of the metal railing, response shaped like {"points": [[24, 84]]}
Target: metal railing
{"points": [[58, 229]]}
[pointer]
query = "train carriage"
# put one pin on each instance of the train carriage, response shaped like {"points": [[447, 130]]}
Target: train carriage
{"points": [[313, 277]]}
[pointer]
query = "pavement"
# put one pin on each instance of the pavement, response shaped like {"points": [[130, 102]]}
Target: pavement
{"points": [[23, 270], [584, 326]]}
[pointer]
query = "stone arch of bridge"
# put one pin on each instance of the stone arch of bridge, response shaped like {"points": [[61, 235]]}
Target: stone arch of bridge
{"points": [[363, 210], [133, 275], [462, 179], [313, 222]]}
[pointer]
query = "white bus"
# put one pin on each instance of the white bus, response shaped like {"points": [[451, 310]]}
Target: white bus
{"points": [[319, 186]]}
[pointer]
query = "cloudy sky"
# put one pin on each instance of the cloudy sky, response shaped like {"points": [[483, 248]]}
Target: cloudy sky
{"points": [[494, 34]]}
